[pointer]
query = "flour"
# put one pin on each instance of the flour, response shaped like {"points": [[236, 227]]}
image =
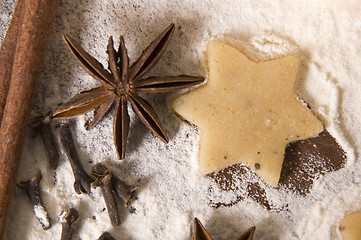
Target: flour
{"points": [[42, 215], [324, 34]]}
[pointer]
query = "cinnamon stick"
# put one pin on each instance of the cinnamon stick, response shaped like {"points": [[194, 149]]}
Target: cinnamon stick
{"points": [[7, 53], [33, 36]]}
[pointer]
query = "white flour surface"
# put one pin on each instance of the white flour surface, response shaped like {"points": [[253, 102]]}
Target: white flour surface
{"points": [[325, 34]]}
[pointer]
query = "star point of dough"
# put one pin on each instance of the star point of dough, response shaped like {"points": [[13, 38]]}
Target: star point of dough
{"points": [[247, 112]]}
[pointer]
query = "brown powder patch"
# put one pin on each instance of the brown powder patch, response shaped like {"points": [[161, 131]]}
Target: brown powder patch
{"points": [[304, 161]]}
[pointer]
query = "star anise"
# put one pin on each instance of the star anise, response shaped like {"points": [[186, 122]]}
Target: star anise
{"points": [[200, 233], [122, 84]]}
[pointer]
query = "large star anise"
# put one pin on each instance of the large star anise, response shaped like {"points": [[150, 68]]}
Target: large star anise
{"points": [[122, 84], [200, 233]]}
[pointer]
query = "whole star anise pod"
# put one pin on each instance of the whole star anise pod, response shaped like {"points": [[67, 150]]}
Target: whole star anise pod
{"points": [[122, 84]]}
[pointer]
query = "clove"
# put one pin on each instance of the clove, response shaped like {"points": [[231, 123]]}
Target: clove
{"points": [[32, 189], [104, 181], [82, 179], [43, 125], [123, 190], [70, 221], [106, 236]]}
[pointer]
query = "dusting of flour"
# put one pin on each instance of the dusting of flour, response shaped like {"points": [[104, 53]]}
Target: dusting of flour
{"points": [[324, 34], [42, 215]]}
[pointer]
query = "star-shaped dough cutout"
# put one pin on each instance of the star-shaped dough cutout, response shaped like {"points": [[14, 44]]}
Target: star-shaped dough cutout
{"points": [[247, 112], [200, 233]]}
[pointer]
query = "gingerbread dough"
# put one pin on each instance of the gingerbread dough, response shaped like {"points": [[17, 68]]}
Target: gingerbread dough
{"points": [[247, 112]]}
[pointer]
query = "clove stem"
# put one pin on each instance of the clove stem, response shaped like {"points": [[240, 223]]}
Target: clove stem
{"points": [[51, 149], [69, 222], [82, 179], [32, 189], [105, 183], [123, 190]]}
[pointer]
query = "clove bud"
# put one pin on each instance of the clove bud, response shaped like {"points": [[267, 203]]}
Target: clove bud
{"points": [[51, 150], [123, 190], [104, 181], [32, 189], [82, 179], [70, 221]]}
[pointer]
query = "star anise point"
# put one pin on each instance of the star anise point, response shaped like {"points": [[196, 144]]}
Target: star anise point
{"points": [[200, 232]]}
